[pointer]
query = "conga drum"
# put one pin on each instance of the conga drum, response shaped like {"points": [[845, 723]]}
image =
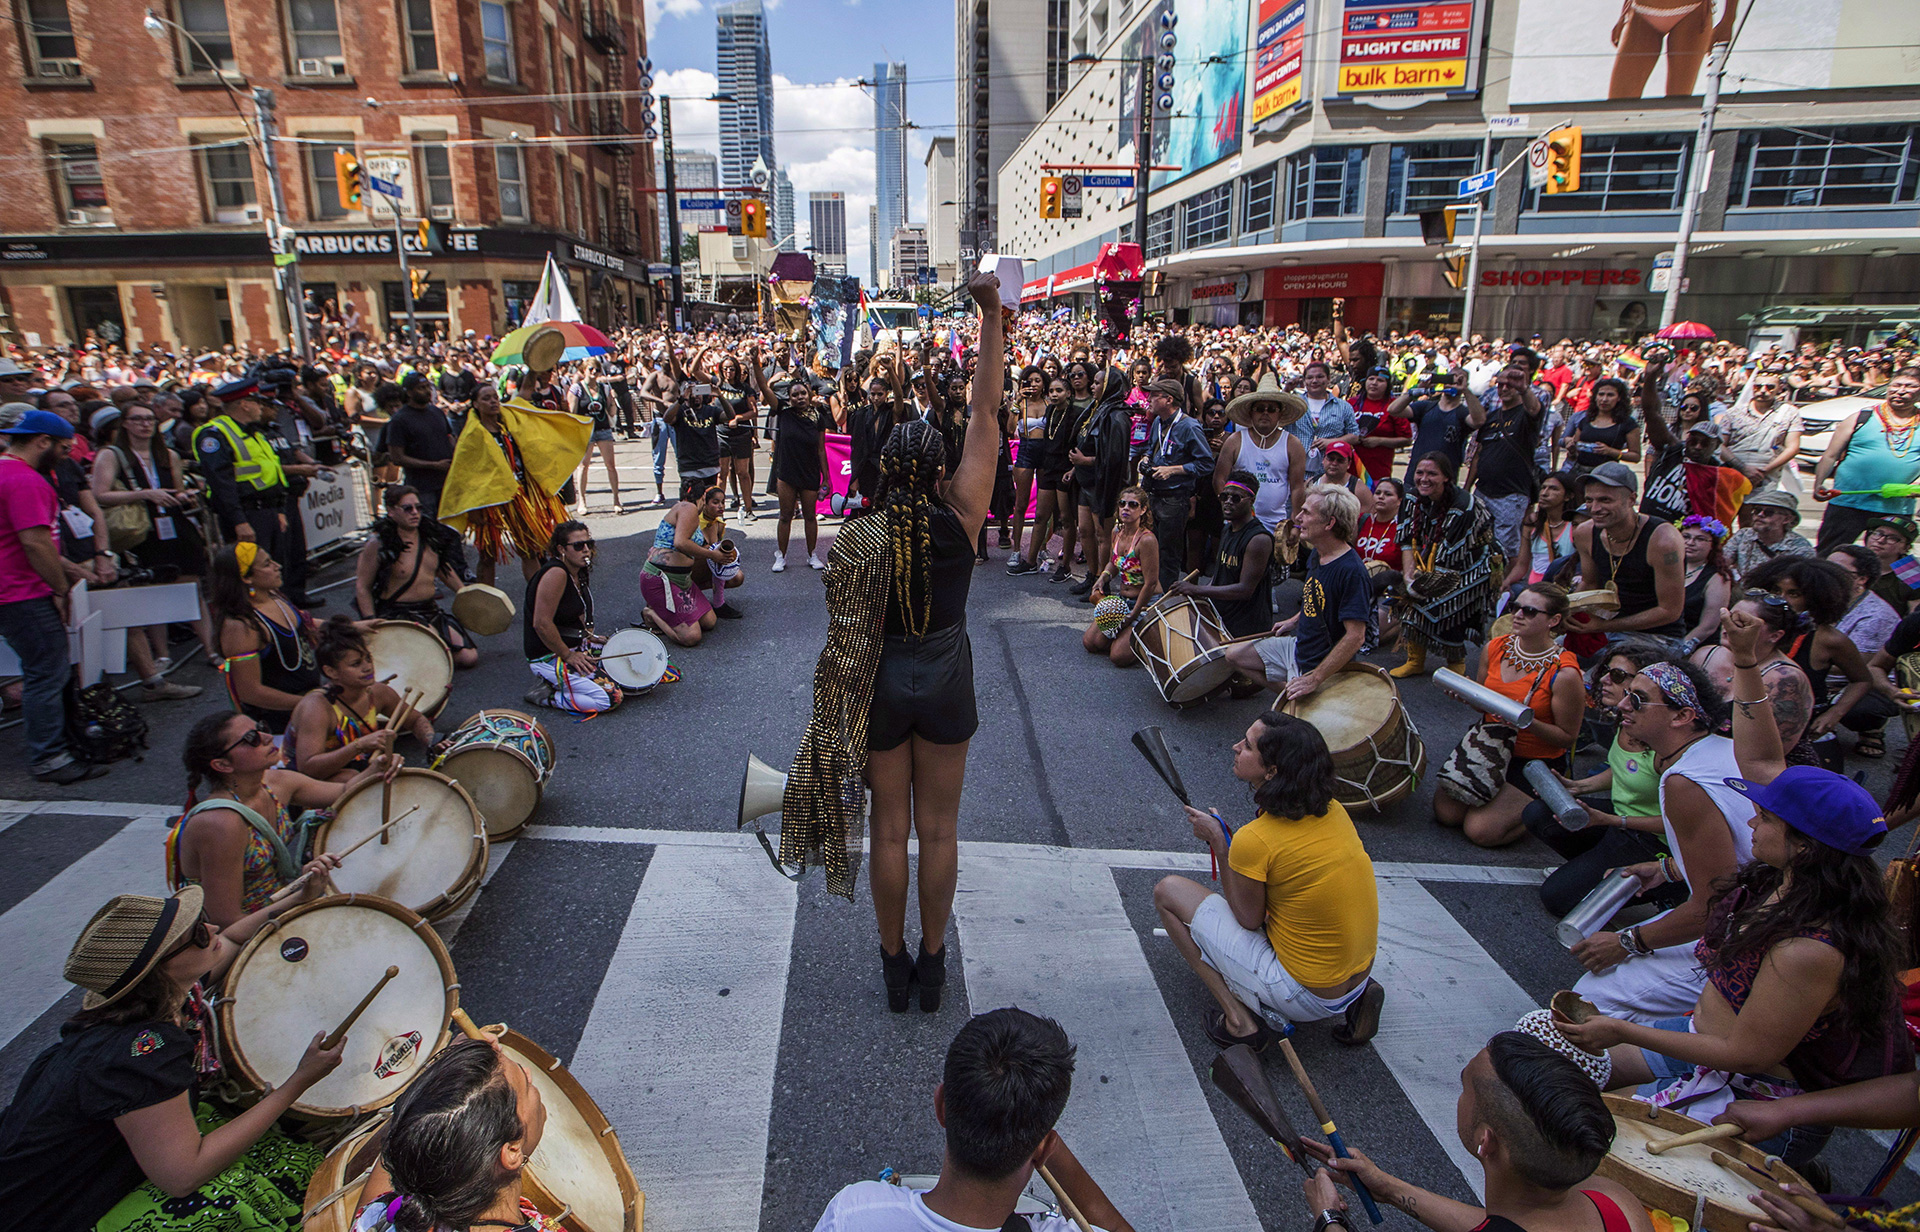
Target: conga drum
{"points": [[334, 1193], [1378, 755], [1686, 1181], [578, 1166], [306, 971], [1183, 644], [416, 658], [431, 860], [503, 758], [634, 659]]}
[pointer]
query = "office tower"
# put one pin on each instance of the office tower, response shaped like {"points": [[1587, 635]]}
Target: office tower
{"points": [[876, 273], [745, 71], [1010, 68], [890, 148], [943, 209], [691, 169], [827, 231], [783, 223], [907, 255]]}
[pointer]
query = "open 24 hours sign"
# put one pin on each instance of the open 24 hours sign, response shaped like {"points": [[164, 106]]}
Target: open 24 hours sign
{"points": [[1402, 47]]}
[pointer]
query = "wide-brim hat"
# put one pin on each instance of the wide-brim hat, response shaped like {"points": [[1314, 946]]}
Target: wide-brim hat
{"points": [[126, 939], [1774, 498], [1292, 406]]}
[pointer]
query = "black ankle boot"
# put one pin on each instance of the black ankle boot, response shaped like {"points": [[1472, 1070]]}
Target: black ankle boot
{"points": [[930, 972], [897, 971]]}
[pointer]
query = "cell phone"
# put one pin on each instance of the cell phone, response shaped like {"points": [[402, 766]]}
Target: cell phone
{"points": [[699, 390]]}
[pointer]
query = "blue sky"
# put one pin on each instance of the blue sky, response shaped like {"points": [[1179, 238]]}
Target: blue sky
{"points": [[823, 124]]}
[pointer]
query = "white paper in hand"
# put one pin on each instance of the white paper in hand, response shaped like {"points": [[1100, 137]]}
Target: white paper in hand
{"points": [[1009, 269]]}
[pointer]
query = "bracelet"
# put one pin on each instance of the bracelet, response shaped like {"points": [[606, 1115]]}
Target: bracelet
{"points": [[1745, 667], [1671, 867], [1329, 1219]]}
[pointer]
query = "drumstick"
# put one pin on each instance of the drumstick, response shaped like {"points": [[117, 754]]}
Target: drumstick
{"points": [[333, 1041], [1327, 1126], [1066, 1203], [1712, 1133], [1812, 1206], [469, 1029], [303, 878]]}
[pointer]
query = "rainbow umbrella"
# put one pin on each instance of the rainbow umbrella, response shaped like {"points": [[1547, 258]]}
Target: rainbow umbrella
{"points": [[1686, 331], [583, 342]]}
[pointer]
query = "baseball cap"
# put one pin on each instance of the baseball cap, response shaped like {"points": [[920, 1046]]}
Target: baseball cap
{"points": [[1172, 389], [40, 423], [1906, 528], [1826, 807], [9, 368], [416, 377], [1706, 427], [1614, 475]]}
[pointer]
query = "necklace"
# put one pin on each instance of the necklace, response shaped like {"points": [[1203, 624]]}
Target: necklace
{"points": [[1266, 444], [586, 604], [1899, 435], [1523, 661]]}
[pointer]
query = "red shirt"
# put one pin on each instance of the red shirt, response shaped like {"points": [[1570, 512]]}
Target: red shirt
{"points": [[1380, 541], [1378, 459]]}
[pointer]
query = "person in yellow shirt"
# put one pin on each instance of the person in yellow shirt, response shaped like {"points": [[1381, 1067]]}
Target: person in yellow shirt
{"points": [[1292, 933]]}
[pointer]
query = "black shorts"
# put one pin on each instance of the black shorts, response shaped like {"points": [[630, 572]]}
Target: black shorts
{"points": [[740, 442], [924, 687], [1052, 480]]}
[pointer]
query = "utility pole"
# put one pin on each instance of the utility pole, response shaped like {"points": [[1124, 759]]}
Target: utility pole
{"points": [[406, 274], [1697, 187], [673, 214], [292, 297], [1143, 168], [1473, 259]]}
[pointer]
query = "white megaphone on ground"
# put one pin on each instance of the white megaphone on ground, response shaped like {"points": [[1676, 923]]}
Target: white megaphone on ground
{"points": [[761, 790]]}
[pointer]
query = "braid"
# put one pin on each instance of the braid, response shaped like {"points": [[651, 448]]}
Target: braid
{"points": [[911, 462]]}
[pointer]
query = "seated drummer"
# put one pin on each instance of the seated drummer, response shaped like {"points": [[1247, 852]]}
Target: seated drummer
{"points": [[1006, 1081], [266, 641], [558, 634], [102, 1132], [338, 728], [455, 1152], [405, 559], [242, 843], [1241, 590], [1292, 933], [1336, 607], [675, 608], [1539, 1128]]}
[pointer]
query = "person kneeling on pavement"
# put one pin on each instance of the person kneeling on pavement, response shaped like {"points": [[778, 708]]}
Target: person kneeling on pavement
{"points": [[1292, 934]]}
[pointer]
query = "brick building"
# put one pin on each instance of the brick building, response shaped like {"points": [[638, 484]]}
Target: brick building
{"points": [[136, 198]]}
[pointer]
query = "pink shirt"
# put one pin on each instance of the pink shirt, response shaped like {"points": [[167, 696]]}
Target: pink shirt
{"points": [[26, 500]]}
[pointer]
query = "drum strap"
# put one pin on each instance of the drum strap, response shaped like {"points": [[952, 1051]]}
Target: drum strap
{"points": [[285, 861]]}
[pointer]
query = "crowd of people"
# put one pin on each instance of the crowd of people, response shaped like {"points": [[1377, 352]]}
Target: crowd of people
{"points": [[1609, 526]]}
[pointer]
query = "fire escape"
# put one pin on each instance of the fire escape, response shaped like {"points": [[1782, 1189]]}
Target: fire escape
{"points": [[607, 121]]}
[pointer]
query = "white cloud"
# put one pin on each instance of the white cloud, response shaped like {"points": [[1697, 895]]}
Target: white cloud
{"points": [[657, 9]]}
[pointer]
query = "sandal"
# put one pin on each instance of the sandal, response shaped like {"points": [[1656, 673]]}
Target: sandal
{"points": [[1262, 1036], [1872, 745]]}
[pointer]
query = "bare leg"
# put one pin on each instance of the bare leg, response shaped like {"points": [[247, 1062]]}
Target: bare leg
{"points": [[203, 627], [681, 635], [783, 533], [488, 566], [1448, 811], [890, 775], [1176, 899], [613, 471], [1498, 823], [1067, 512], [939, 772], [809, 515], [140, 654], [1639, 51], [1687, 46], [1022, 485]]}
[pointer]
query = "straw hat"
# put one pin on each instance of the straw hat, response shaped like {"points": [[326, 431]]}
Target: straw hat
{"points": [[1292, 406], [126, 939]]}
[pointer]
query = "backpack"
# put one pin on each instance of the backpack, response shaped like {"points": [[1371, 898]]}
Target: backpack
{"points": [[102, 726]]}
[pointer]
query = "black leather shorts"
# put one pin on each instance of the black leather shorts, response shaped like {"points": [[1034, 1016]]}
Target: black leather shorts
{"points": [[924, 687]]}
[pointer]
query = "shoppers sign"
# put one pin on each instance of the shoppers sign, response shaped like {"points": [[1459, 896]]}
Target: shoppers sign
{"points": [[1545, 279], [1397, 47], [1321, 281], [1277, 55], [1232, 291]]}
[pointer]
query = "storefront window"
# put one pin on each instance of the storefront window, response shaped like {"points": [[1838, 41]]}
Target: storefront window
{"points": [[517, 296], [1426, 175], [1626, 171], [1326, 182], [1867, 164], [1257, 213], [1209, 216], [96, 314]]}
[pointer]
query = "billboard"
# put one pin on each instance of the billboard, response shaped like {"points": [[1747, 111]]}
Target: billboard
{"points": [[1278, 44], [1570, 51], [1407, 46], [1209, 85]]}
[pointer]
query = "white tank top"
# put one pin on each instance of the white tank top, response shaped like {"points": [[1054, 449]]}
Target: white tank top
{"points": [[1709, 762], [1269, 466]]}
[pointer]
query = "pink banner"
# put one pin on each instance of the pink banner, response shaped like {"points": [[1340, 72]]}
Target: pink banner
{"points": [[839, 470]]}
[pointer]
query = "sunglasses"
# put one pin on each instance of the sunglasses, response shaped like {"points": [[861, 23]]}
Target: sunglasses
{"points": [[1533, 611], [1634, 701], [582, 543], [411, 508], [1131, 504], [199, 937], [1615, 675], [1767, 599], [253, 740]]}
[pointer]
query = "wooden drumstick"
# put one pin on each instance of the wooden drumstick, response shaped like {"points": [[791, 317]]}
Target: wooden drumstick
{"points": [[1327, 1126], [1712, 1133], [333, 1040], [472, 1031], [301, 881], [1812, 1206], [1066, 1203]]}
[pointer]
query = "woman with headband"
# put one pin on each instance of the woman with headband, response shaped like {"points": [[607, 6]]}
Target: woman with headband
{"points": [[267, 641]]}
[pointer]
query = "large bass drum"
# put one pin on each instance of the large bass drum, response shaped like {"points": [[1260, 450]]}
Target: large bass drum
{"points": [[431, 860], [1182, 642], [1687, 1182], [1378, 756], [416, 658], [504, 759]]}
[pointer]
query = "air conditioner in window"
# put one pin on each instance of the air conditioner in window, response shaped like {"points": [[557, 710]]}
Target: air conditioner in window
{"points": [[60, 68], [251, 213], [78, 218], [330, 66], [440, 213]]}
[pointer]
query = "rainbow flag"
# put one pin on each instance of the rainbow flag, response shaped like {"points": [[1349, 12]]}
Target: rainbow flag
{"points": [[1717, 491]]}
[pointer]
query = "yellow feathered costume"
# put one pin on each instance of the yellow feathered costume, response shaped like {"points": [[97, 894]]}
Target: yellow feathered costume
{"points": [[483, 494]]}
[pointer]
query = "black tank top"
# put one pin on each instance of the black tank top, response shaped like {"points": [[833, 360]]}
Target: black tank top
{"points": [[1255, 613], [951, 566], [287, 664], [1635, 577], [1802, 653], [571, 615], [1614, 436]]}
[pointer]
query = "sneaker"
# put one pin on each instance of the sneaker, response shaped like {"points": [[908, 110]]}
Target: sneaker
{"points": [[779, 562], [728, 612], [814, 562], [1020, 565], [1082, 587], [1061, 574], [1363, 1016], [70, 772], [980, 558], [1006, 541], [166, 691], [541, 694]]}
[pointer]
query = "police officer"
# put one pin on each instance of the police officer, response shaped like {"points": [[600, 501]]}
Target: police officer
{"points": [[247, 486]]}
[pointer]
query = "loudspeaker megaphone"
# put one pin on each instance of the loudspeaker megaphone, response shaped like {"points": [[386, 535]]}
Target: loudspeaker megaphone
{"points": [[839, 503], [761, 790]]}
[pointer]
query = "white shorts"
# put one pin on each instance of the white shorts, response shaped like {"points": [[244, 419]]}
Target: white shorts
{"points": [[1252, 970], [1278, 657]]}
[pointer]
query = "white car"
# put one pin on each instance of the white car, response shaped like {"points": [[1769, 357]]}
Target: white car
{"points": [[1818, 418]]}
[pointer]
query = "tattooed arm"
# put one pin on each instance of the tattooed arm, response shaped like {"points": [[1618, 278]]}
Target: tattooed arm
{"points": [[1792, 698], [1440, 1214]]}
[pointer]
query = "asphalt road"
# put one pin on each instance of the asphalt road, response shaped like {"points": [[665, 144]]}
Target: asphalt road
{"points": [[733, 1025]]}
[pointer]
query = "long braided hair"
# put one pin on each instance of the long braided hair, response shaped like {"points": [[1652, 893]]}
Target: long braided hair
{"points": [[911, 462]]}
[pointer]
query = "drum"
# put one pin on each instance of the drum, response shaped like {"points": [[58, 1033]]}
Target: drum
{"points": [[1182, 642], [635, 659], [483, 609], [416, 658], [432, 859], [306, 971], [1686, 1182], [578, 1165], [334, 1192], [502, 758], [1378, 755]]}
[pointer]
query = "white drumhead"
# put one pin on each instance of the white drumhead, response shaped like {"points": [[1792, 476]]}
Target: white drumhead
{"points": [[634, 659], [503, 783], [571, 1163], [433, 851], [1691, 1168], [306, 975], [416, 658], [1349, 708]]}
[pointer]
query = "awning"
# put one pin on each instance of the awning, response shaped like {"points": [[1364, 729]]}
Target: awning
{"points": [[1078, 278]]}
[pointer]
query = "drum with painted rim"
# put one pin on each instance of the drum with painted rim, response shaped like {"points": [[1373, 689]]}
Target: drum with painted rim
{"points": [[432, 859], [504, 759]]}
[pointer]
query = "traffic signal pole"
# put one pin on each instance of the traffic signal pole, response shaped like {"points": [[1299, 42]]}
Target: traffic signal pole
{"points": [[1701, 169], [292, 296], [406, 274]]}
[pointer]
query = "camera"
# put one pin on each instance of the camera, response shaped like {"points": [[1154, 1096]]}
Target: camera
{"points": [[140, 575]]}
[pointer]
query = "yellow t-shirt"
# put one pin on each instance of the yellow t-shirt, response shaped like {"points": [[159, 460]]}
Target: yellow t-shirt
{"points": [[1323, 910]]}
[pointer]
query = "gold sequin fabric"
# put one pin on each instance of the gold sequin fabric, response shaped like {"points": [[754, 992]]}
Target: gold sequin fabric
{"points": [[823, 810]]}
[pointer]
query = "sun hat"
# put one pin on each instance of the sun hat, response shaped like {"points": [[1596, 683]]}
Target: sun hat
{"points": [[1291, 405], [1826, 807], [126, 939], [1774, 498]]}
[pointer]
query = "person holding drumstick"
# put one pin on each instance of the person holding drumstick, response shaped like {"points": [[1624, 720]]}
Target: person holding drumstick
{"points": [[243, 842], [558, 636], [1132, 577], [104, 1132], [1336, 606], [405, 558], [337, 729]]}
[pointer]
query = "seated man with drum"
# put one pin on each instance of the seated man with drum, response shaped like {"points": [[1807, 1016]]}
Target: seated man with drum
{"points": [[102, 1132], [1539, 1129], [1007, 1077], [405, 559], [1292, 933], [340, 727], [558, 636], [1240, 590], [244, 842], [1336, 607]]}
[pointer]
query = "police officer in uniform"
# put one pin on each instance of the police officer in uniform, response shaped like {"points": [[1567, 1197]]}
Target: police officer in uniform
{"points": [[246, 484]]}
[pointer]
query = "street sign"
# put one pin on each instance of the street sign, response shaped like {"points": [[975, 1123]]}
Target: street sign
{"points": [[1507, 125], [733, 216], [1107, 181], [1538, 155], [389, 178], [384, 187], [1474, 185], [1070, 197], [703, 203]]}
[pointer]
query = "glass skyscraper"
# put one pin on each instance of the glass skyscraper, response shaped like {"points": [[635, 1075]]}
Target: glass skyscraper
{"points": [[889, 153], [745, 71]]}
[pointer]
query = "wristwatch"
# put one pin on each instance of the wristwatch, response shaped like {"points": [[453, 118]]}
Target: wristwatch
{"points": [[1329, 1219]]}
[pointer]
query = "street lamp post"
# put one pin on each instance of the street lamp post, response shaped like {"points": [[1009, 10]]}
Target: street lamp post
{"points": [[1143, 151]]}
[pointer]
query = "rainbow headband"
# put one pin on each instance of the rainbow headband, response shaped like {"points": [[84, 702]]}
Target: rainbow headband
{"points": [[1674, 686], [1235, 483]]}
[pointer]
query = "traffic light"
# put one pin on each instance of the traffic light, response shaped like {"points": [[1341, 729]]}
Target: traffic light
{"points": [[1563, 160], [419, 278], [433, 237], [1455, 269], [753, 218], [1436, 226], [1050, 196], [348, 177]]}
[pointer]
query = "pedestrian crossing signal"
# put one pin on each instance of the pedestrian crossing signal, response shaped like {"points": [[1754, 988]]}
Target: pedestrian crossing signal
{"points": [[1051, 192], [1455, 269], [753, 218], [419, 279], [1563, 160], [348, 178], [433, 237]]}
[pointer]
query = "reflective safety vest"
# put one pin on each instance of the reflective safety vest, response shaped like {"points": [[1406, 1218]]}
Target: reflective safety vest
{"points": [[256, 467]]}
